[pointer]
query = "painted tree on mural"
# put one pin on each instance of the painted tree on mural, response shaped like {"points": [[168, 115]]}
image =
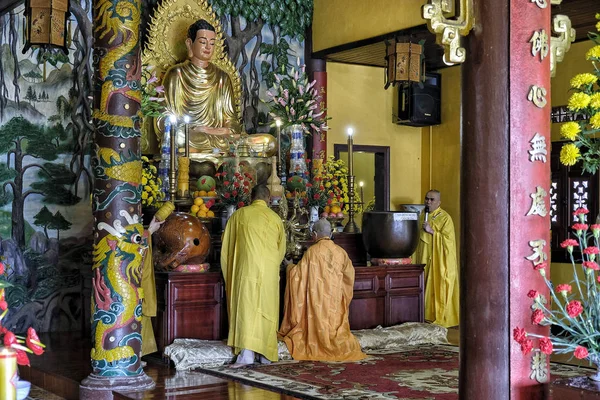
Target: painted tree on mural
{"points": [[284, 18], [20, 138]]}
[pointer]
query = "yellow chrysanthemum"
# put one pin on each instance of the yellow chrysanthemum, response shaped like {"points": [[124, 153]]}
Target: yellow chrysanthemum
{"points": [[144, 195], [595, 100], [570, 130], [584, 79], [578, 101], [598, 26], [569, 154], [595, 121], [594, 52]]}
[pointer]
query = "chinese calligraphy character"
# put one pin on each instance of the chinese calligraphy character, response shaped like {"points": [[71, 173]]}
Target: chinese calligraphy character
{"points": [[539, 255], [537, 95], [539, 367], [538, 205], [538, 150], [540, 3], [539, 44]]}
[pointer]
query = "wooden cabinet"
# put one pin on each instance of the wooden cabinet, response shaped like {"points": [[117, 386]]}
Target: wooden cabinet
{"points": [[190, 305], [387, 296]]}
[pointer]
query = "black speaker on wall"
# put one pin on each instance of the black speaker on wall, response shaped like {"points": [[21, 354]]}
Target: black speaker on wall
{"points": [[419, 104]]}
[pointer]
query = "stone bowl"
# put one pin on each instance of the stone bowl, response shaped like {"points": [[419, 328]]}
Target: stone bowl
{"points": [[390, 234]]}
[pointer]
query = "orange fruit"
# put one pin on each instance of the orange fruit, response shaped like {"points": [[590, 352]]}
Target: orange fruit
{"points": [[327, 209], [202, 214], [203, 193], [212, 193], [198, 201], [195, 209], [210, 214]]}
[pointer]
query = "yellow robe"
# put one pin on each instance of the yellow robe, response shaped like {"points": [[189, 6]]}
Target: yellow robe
{"points": [[148, 303], [251, 254], [438, 252], [317, 298]]}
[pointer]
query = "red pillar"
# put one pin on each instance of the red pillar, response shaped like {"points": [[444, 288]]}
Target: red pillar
{"points": [[498, 179]]}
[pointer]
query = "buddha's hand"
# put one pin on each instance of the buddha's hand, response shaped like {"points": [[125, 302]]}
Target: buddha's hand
{"points": [[216, 131]]}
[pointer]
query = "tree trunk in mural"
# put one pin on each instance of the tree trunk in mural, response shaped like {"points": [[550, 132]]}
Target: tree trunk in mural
{"points": [[13, 40], [119, 242]]}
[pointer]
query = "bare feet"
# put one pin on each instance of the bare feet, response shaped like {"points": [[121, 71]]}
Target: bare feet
{"points": [[240, 365]]}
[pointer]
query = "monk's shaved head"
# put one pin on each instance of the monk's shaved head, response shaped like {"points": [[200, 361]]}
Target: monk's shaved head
{"points": [[322, 228]]}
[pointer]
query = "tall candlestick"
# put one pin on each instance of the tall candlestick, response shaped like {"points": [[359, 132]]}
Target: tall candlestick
{"points": [[172, 170], [280, 162], [186, 120], [350, 155], [8, 373]]}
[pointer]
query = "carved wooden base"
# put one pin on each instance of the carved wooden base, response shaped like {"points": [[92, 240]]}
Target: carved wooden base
{"points": [[96, 387]]}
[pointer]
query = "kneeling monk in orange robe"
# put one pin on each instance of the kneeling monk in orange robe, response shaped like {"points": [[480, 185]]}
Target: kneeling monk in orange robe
{"points": [[319, 289]]}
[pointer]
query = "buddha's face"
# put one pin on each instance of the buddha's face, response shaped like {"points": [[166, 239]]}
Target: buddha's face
{"points": [[203, 47]]}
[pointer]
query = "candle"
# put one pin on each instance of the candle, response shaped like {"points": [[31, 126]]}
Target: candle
{"points": [[278, 124], [361, 183], [186, 120], [8, 373], [350, 156]]}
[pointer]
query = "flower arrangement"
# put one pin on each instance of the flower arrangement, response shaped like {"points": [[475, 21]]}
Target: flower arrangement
{"points": [[151, 101], [585, 100], [234, 187], [22, 345], [293, 100], [577, 311], [335, 176], [151, 183]]}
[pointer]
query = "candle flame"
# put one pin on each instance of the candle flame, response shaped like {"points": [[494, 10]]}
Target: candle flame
{"points": [[350, 131]]}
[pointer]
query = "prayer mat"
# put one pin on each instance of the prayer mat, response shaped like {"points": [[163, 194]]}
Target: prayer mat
{"points": [[410, 372]]}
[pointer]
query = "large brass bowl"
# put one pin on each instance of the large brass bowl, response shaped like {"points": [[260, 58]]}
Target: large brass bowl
{"points": [[390, 234]]}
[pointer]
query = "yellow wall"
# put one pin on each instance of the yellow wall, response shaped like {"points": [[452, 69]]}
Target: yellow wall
{"points": [[337, 22], [356, 98], [440, 168]]}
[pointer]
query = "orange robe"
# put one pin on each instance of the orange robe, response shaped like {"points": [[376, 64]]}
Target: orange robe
{"points": [[317, 297]]}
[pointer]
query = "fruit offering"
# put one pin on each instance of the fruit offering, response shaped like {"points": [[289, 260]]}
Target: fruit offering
{"points": [[201, 208], [206, 183]]}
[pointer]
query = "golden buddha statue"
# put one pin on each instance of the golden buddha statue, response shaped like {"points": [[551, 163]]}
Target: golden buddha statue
{"points": [[201, 90]]}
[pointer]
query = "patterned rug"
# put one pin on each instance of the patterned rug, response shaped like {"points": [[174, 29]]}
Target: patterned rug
{"points": [[411, 372]]}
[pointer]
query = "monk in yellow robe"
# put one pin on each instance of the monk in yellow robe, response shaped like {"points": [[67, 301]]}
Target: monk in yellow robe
{"points": [[148, 287], [251, 254], [437, 250], [319, 290]]}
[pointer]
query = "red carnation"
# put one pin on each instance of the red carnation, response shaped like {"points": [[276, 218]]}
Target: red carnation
{"points": [[537, 317], [226, 195], [563, 288], [591, 250], [236, 174], [9, 339], [236, 184], [546, 345], [321, 187], [519, 335], [33, 342], [240, 204], [226, 183], [532, 294], [570, 243], [580, 210], [526, 346], [317, 196], [574, 308], [246, 183], [580, 227], [234, 193], [580, 352], [309, 184], [591, 265]]}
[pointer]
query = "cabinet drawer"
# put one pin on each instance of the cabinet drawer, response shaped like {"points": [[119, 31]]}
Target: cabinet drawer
{"points": [[366, 284], [202, 293], [398, 281]]}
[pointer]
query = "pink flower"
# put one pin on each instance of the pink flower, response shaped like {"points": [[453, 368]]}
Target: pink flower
{"points": [[540, 266], [533, 294], [2, 268], [526, 346], [591, 265], [563, 288], [546, 345], [580, 352], [591, 250], [519, 335], [569, 243], [574, 308], [580, 211], [22, 358], [33, 342], [537, 316], [595, 230], [580, 227]]}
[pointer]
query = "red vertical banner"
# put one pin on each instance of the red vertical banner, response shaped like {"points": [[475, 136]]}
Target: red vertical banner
{"points": [[529, 228], [319, 148]]}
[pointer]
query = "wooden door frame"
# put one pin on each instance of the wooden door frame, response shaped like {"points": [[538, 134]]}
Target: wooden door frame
{"points": [[338, 148]]}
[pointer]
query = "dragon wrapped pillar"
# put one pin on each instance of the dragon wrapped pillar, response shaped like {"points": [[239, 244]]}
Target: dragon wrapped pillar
{"points": [[119, 240]]}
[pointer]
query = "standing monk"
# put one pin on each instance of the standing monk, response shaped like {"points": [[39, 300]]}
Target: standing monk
{"points": [[317, 300], [437, 250], [252, 251]]}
